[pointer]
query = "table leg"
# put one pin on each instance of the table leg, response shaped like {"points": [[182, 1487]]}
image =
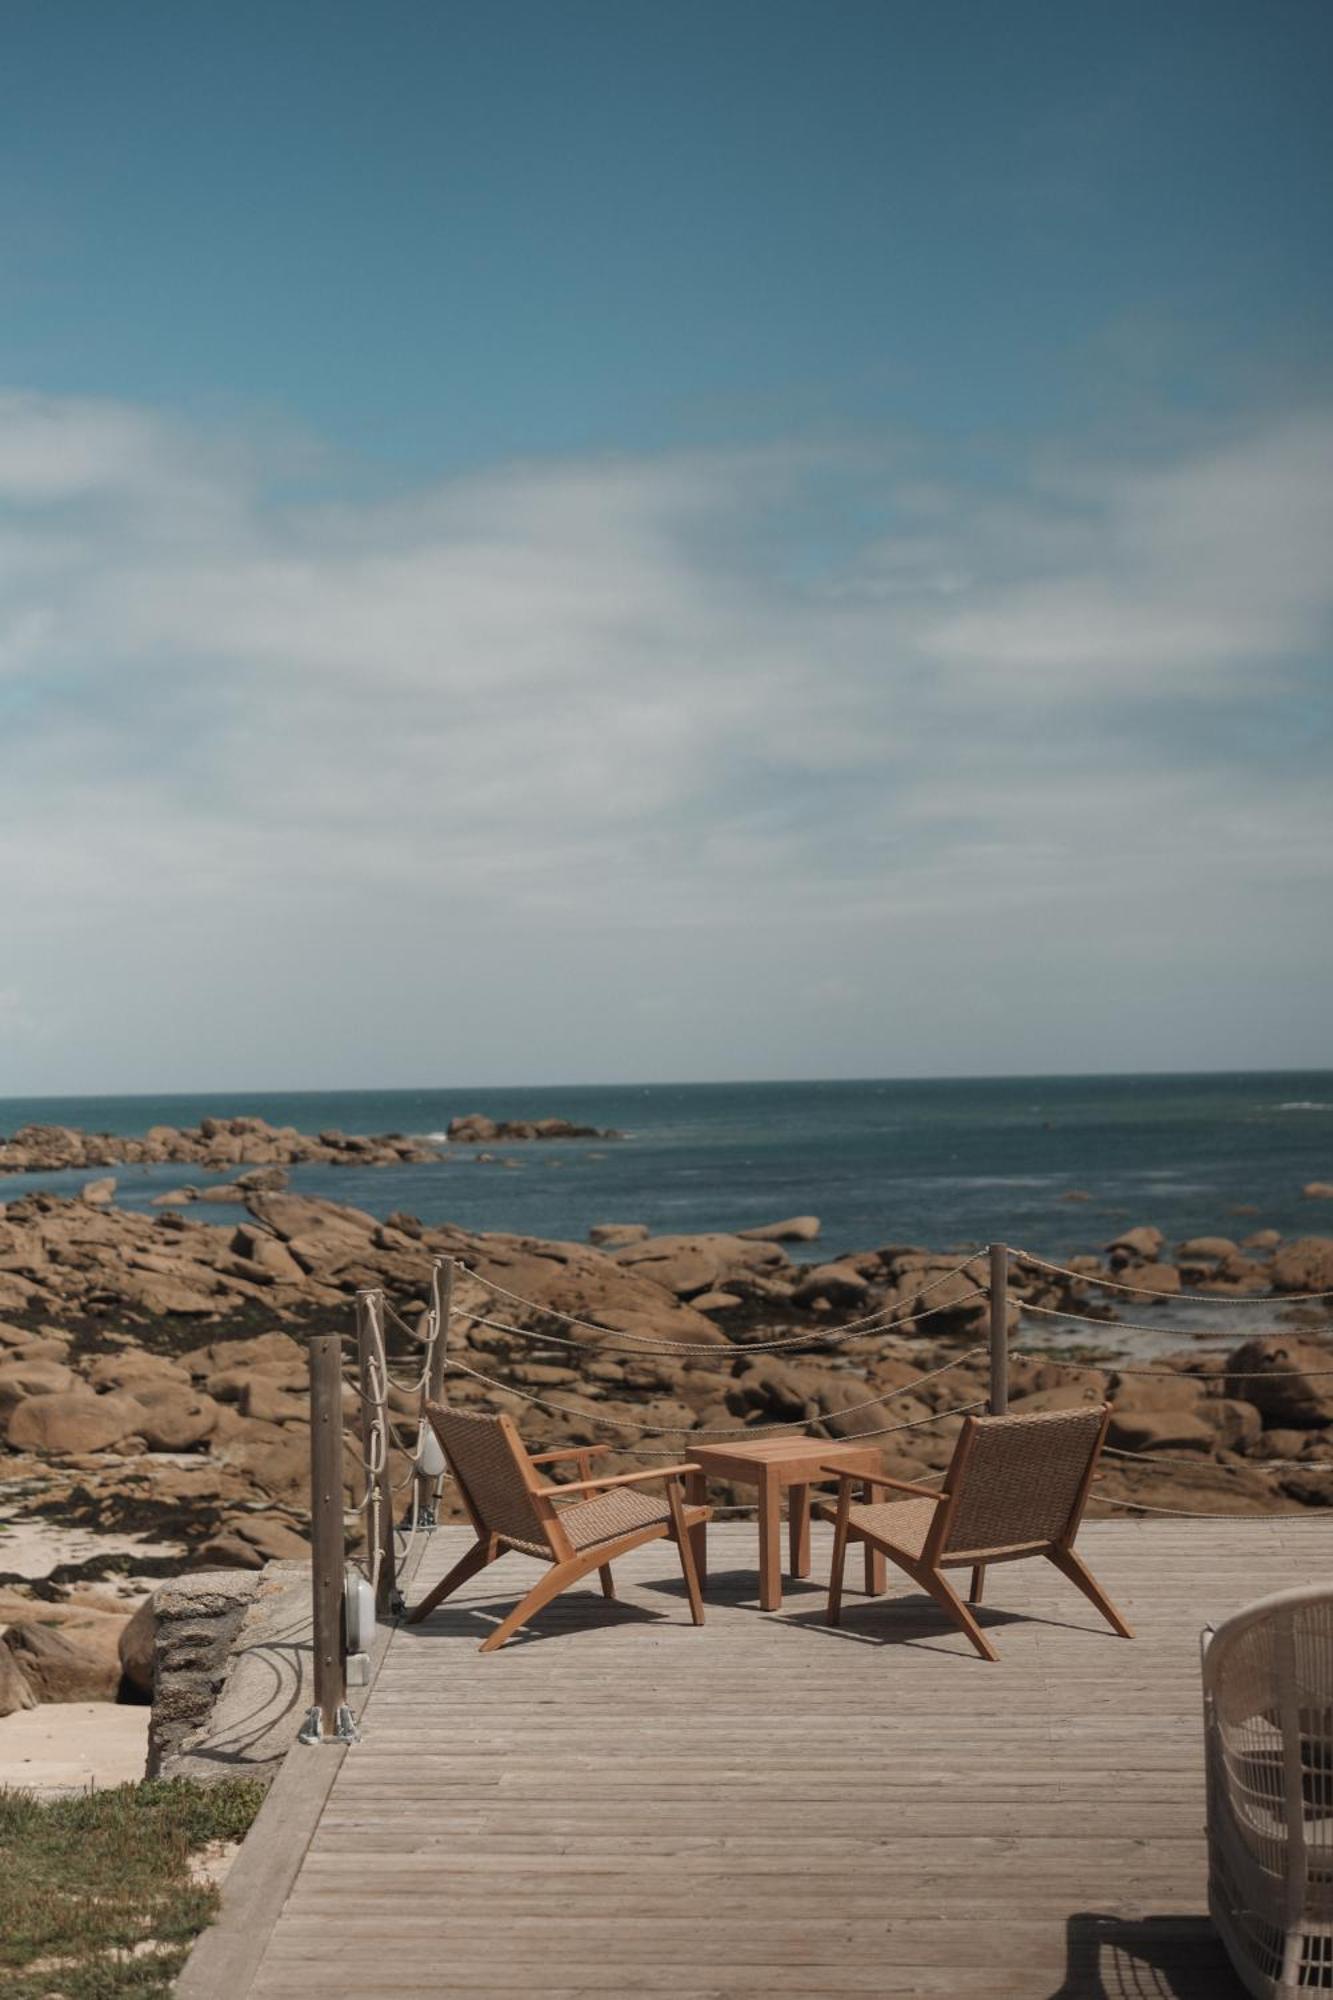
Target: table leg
{"points": [[770, 1557], [696, 1493], [874, 1560], [798, 1529]]}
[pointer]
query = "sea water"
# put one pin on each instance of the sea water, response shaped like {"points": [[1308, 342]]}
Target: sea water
{"points": [[945, 1163]]}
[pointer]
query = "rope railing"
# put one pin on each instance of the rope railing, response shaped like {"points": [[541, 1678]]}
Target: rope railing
{"points": [[724, 1348], [702, 1431], [1191, 1514], [1151, 1291], [872, 1323], [1155, 1458]]}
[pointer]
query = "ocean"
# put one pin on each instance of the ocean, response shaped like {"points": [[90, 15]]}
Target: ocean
{"points": [[943, 1164]]}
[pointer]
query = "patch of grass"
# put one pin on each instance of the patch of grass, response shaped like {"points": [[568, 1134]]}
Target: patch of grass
{"points": [[96, 1896]]}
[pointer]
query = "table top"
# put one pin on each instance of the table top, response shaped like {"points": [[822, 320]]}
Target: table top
{"points": [[795, 1460]]}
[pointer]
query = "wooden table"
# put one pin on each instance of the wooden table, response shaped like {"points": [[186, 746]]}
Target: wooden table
{"points": [[775, 1465]]}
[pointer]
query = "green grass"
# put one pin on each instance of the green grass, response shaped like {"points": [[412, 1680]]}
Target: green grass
{"points": [[85, 1880]]}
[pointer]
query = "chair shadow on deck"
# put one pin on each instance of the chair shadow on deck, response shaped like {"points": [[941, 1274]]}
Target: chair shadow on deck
{"points": [[576, 1612], [918, 1618], [1151, 1958]]}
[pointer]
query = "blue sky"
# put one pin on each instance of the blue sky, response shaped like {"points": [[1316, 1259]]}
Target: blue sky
{"points": [[808, 524]]}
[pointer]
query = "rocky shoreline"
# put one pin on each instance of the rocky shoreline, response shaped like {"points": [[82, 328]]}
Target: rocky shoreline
{"points": [[219, 1144], [153, 1379]]}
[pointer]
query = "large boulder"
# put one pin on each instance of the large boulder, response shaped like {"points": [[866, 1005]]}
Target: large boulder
{"points": [[173, 1416], [134, 1368], [266, 1254], [1304, 1265], [1207, 1249], [135, 1646], [74, 1421], [1159, 1430], [616, 1235], [796, 1229], [567, 1278], [74, 1659], [251, 1540], [98, 1193], [16, 1690], [706, 1263], [22, 1378], [839, 1284], [1290, 1382], [306, 1219], [1162, 1278], [471, 1128], [1140, 1245]]}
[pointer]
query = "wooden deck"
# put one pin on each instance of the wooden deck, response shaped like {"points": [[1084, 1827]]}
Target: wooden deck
{"points": [[619, 1804]]}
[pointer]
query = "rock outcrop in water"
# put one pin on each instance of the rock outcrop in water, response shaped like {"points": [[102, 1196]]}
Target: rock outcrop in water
{"points": [[474, 1128], [153, 1373], [215, 1143]]}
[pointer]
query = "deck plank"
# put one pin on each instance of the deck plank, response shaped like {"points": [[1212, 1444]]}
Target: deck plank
{"points": [[619, 1803]]}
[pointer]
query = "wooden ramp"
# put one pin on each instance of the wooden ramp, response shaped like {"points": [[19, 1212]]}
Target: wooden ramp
{"points": [[619, 1804]]}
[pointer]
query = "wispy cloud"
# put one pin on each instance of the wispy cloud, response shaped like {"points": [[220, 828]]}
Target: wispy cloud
{"points": [[449, 782]]}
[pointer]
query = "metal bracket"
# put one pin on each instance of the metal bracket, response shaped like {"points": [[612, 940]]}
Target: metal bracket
{"points": [[426, 1518], [397, 1604], [344, 1729]]}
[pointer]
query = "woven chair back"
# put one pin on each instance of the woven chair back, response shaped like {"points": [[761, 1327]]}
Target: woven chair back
{"points": [[1018, 1480], [490, 1463]]}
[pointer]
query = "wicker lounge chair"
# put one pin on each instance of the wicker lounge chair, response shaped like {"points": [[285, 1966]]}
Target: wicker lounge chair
{"points": [[510, 1508], [1016, 1487], [1268, 1732]]}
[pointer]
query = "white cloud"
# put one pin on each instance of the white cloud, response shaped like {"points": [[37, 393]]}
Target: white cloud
{"points": [[317, 779]]}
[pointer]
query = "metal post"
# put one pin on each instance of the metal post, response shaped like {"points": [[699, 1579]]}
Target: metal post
{"points": [[432, 1391], [370, 1343], [999, 1329], [329, 1720]]}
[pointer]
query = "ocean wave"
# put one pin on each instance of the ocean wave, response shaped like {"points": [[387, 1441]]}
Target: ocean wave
{"points": [[1305, 1104]]}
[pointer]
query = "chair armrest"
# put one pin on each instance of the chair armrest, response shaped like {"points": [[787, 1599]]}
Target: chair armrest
{"points": [[615, 1479], [840, 1473], [568, 1451]]}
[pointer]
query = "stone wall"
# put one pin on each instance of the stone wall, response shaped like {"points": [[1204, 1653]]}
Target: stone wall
{"points": [[232, 1671], [198, 1618]]}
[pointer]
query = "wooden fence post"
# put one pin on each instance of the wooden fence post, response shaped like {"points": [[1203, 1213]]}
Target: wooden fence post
{"points": [[432, 1390], [369, 1346], [999, 1329], [328, 1720]]}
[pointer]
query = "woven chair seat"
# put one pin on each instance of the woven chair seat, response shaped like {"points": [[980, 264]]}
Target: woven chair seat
{"points": [[904, 1523], [619, 1512]]}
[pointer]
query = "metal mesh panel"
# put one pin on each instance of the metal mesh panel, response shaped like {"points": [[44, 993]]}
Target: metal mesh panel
{"points": [[1268, 1711], [1022, 1478]]}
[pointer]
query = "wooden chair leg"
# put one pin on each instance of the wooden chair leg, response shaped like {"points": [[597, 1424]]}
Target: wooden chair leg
{"points": [[948, 1600], [1082, 1578], [478, 1556], [680, 1535], [608, 1581], [839, 1563], [696, 1492], [978, 1584], [556, 1579]]}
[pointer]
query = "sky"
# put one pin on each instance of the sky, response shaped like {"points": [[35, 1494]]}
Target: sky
{"points": [[587, 542]]}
